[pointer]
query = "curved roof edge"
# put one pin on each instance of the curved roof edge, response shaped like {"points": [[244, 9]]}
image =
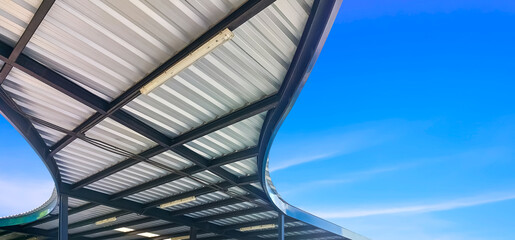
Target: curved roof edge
{"points": [[317, 29], [32, 215]]}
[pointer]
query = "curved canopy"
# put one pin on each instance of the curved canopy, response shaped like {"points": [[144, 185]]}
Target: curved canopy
{"points": [[155, 118]]}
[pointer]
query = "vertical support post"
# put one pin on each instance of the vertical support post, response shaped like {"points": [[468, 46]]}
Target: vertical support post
{"points": [[63, 217], [193, 233], [280, 226]]}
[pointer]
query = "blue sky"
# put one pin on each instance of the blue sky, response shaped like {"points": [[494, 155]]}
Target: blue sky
{"points": [[404, 130], [406, 126]]}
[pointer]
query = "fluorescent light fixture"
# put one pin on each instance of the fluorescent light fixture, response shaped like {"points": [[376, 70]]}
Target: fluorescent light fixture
{"points": [[107, 220], [148, 234], [124, 229], [260, 227], [178, 238], [220, 38], [177, 202]]}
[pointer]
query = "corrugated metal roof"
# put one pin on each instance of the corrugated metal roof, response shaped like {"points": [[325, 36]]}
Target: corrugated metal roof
{"points": [[14, 18], [107, 46]]}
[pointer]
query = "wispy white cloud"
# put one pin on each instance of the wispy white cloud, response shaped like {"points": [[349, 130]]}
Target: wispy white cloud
{"points": [[421, 208], [310, 147], [21, 195]]}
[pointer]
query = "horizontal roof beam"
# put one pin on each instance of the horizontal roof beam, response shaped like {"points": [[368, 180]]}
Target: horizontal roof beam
{"points": [[112, 227], [127, 205], [55, 217], [237, 213]]}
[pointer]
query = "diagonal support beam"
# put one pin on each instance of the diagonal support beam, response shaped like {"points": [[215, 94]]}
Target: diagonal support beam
{"points": [[12, 54], [176, 143]]}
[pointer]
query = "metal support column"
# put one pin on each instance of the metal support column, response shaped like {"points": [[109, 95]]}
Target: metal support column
{"points": [[193, 233], [280, 226], [63, 217]]}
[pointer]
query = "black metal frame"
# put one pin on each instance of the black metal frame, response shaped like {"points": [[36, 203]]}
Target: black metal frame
{"points": [[277, 106]]}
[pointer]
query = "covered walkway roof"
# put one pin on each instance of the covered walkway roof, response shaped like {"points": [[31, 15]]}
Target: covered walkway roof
{"points": [[155, 118]]}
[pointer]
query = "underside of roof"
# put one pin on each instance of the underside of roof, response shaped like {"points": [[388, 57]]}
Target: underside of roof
{"points": [[192, 154]]}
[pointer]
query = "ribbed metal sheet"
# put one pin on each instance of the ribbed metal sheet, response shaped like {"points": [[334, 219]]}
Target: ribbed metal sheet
{"points": [[175, 187], [41, 101], [173, 160], [14, 18], [239, 136], [129, 177], [246, 218], [110, 45], [201, 200], [80, 159], [224, 209], [242, 168], [170, 231], [249, 67], [116, 134]]}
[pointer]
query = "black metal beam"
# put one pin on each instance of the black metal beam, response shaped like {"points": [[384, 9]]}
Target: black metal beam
{"points": [[206, 206], [237, 213], [193, 233], [127, 205], [29, 132], [63, 217], [175, 144], [31, 28], [30, 231], [234, 157], [235, 19]]}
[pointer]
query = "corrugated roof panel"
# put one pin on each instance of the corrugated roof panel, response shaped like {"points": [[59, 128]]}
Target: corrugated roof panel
{"points": [[242, 168], [224, 209], [129, 177], [80, 159], [49, 135], [14, 18], [173, 160], [247, 68], [118, 135], [246, 218], [74, 202], [44, 102], [110, 45], [239, 136], [165, 190], [200, 200]]}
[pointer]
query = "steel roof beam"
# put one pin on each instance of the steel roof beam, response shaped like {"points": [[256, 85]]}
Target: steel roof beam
{"points": [[12, 54], [233, 157], [31, 231], [237, 213], [176, 143], [27, 130], [127, 205]]}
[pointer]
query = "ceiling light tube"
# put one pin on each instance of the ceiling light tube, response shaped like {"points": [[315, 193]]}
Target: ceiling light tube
{"points": [[124, 229], [178, 238], [107, 220], [220, 38], [148, 234], [260, 227], [177, 202]]}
